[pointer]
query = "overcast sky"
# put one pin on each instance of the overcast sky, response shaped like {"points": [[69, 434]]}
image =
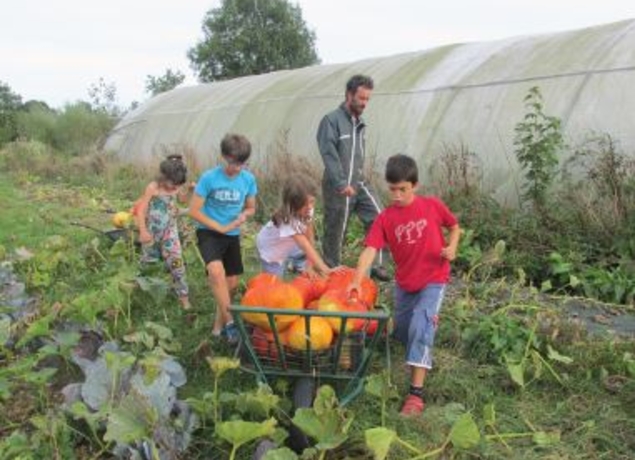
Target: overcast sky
{"points": [[53, 50]]}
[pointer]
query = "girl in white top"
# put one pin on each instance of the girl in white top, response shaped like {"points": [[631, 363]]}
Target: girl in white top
{"points": [[290, 231]]}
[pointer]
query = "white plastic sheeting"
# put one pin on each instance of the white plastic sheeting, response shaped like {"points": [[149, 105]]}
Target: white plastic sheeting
{"points": [[469, 94]]}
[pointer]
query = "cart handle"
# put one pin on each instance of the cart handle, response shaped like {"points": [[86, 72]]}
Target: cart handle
{"points": [[379, 313]]}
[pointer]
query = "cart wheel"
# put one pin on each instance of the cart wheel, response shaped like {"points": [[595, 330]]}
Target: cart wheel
{"points": [[303, 394], [262, 448]]}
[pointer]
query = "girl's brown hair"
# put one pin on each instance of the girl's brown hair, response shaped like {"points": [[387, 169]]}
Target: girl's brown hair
{"points": [[295, 194], [173, 169]]}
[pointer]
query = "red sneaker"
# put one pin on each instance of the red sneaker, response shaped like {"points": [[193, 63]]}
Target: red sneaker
{"points": [[413, 405]]}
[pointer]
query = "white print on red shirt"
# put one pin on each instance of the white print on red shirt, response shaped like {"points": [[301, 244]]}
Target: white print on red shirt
{"points": [[405, 231]]}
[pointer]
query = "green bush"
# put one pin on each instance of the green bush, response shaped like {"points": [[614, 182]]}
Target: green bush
{"points": [[37, 123], [80, 130], [538, 140]]}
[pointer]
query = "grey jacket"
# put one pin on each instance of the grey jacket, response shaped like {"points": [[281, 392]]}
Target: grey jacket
{"points": [[342, 147]]}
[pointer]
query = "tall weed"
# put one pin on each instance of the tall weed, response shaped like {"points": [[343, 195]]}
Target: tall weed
{"points": [[281, 163], [538, 141], [599, 192]]}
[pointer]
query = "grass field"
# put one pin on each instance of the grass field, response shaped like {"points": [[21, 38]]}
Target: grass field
{"points": [[576, 400]]}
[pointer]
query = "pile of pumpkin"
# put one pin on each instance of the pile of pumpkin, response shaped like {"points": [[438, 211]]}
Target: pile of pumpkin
{"points": [[322, 294]]}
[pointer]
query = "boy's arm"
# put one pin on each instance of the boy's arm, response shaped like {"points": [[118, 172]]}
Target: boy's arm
{"points": [[250, 207], [196, 213], [449, 252], [364, 263]]}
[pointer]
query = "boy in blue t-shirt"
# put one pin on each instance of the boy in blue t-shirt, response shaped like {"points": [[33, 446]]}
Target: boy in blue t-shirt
{"points": [[224, 197]]}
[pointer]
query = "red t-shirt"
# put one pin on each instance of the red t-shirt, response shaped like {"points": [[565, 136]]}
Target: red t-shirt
{"points": [[414, 235]]}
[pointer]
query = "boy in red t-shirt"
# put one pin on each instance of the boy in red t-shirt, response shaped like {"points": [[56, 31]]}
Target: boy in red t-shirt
{"points": [[412, 228]]}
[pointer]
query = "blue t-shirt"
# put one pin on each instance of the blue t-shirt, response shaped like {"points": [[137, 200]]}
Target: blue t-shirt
{"points": [[225, 196]]}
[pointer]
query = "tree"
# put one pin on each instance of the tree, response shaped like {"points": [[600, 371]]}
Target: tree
{"points": [[166, 82], [251, 37], [103, 98], [10, 103]]}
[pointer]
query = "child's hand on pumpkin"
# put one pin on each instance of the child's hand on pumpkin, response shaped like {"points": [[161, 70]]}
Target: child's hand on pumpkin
{"points": [[311, 273], [314, 272], [354, 290]]}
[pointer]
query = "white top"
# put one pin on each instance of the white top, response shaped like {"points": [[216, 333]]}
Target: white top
{"points": [[276, 244]]}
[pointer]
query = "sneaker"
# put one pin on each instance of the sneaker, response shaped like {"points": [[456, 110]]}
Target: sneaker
{"points": [[412, 406], [379, 273], [230, 333]]}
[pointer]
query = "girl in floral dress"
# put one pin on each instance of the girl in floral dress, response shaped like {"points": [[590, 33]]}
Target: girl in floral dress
{"points": [[156, 217]]}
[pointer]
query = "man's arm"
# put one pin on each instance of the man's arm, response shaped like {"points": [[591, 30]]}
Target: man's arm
{"points": [[327, 139]]}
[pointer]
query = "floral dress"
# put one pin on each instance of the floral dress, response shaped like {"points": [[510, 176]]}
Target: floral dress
{"points": [[162, 225]]}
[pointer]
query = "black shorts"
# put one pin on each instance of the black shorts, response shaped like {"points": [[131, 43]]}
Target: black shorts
{"points": [[215, 246]]}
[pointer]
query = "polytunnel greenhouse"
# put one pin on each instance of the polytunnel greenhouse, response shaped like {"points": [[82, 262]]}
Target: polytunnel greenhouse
{"points": [[467, 95]]}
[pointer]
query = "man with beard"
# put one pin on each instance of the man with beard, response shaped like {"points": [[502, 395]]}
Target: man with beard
{"points": [[345, 191]]}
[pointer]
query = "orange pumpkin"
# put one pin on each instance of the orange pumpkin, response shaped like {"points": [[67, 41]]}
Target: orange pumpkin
{"points": [[371, 326], [319, 286], [263, 279], [337, 301], [280, 295], [304, 285], [320, 338], [311, 288], [264, 344], [341, 279]]}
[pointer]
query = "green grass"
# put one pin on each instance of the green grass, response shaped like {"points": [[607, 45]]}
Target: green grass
{"points": [[22, 221], [593, 421]]}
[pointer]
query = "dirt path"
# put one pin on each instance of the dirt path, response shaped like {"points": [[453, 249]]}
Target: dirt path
{"points": [[601, 318]]}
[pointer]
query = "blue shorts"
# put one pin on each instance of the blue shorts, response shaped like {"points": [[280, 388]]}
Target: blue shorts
{"points": [[416, 320]]}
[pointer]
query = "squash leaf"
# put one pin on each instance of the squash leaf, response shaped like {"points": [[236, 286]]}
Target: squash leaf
{"points": [[221, 364], [489, 415], [553, 355], [239, 432], [379, 440], [325, 422], [543, 438], [133, 420], [464, 433], [517, 373], [259, 404], [283, 453]]}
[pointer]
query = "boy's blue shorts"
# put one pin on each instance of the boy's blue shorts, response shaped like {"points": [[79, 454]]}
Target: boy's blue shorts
{"points": [[416, 320]]}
